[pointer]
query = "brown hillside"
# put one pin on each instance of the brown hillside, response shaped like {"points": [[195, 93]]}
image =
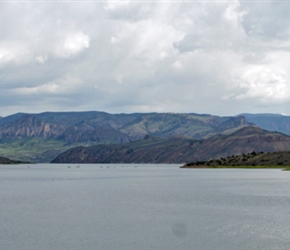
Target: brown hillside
{"points": [[178, 150]]}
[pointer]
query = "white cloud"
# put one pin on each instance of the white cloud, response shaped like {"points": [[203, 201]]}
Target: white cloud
{"points": [[114, 5], [146, 56], [41, 59], [113, 40], [73, 44], [61, 86], [264, 84], [177, 66], [12, 52]]}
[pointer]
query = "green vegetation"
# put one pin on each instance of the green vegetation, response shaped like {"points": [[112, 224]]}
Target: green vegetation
{"points": [[246, 167], [251, 160], [32, 149]]}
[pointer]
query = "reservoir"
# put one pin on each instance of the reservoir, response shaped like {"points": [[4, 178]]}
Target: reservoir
{"points": [[135, 206]]}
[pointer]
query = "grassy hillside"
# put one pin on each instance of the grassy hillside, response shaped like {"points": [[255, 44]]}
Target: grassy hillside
{"points": [[32, 149]]}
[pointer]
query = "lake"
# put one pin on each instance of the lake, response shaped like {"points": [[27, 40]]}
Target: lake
{"points": [[135, 206]]}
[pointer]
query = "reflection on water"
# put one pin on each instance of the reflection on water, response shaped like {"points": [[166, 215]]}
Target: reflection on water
{"points": [[121, 206]]}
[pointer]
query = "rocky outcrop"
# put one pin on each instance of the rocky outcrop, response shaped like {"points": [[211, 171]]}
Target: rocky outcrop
{"points": [[30, 126]]}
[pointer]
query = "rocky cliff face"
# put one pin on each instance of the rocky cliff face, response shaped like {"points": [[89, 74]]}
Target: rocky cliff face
{"points": [[30, 126]]}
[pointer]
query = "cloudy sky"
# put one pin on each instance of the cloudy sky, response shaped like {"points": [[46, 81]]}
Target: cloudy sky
{"points": [[216, 57]]}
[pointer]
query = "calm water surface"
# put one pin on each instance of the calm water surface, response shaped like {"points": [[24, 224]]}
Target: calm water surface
{"points": [[143, 207]]}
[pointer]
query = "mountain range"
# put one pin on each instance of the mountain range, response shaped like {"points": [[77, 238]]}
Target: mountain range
{"points": [[41, 137]]}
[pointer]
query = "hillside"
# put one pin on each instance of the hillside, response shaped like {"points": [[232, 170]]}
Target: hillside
{"points": [[243, 141], [41, 137], [250, 159], [179, 150], [4, 160], [149, 150]]}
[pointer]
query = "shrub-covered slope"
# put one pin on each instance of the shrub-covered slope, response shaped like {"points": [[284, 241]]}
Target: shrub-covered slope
{"points": [[251, 159]]}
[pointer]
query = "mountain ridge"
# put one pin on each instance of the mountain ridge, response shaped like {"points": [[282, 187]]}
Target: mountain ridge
{"points": [[41, 137], [158, 150]]}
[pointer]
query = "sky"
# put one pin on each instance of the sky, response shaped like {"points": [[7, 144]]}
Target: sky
{"points": [[213, 57]]}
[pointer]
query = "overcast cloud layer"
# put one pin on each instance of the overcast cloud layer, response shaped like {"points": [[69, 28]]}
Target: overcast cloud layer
{"points": [[216, 57]]}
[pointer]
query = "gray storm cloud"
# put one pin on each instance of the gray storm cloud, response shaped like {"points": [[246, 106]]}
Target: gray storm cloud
{"points": [[218, 57]]}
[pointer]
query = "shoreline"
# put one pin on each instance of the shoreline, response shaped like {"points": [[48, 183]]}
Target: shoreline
{"points": [[285, 168]]}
